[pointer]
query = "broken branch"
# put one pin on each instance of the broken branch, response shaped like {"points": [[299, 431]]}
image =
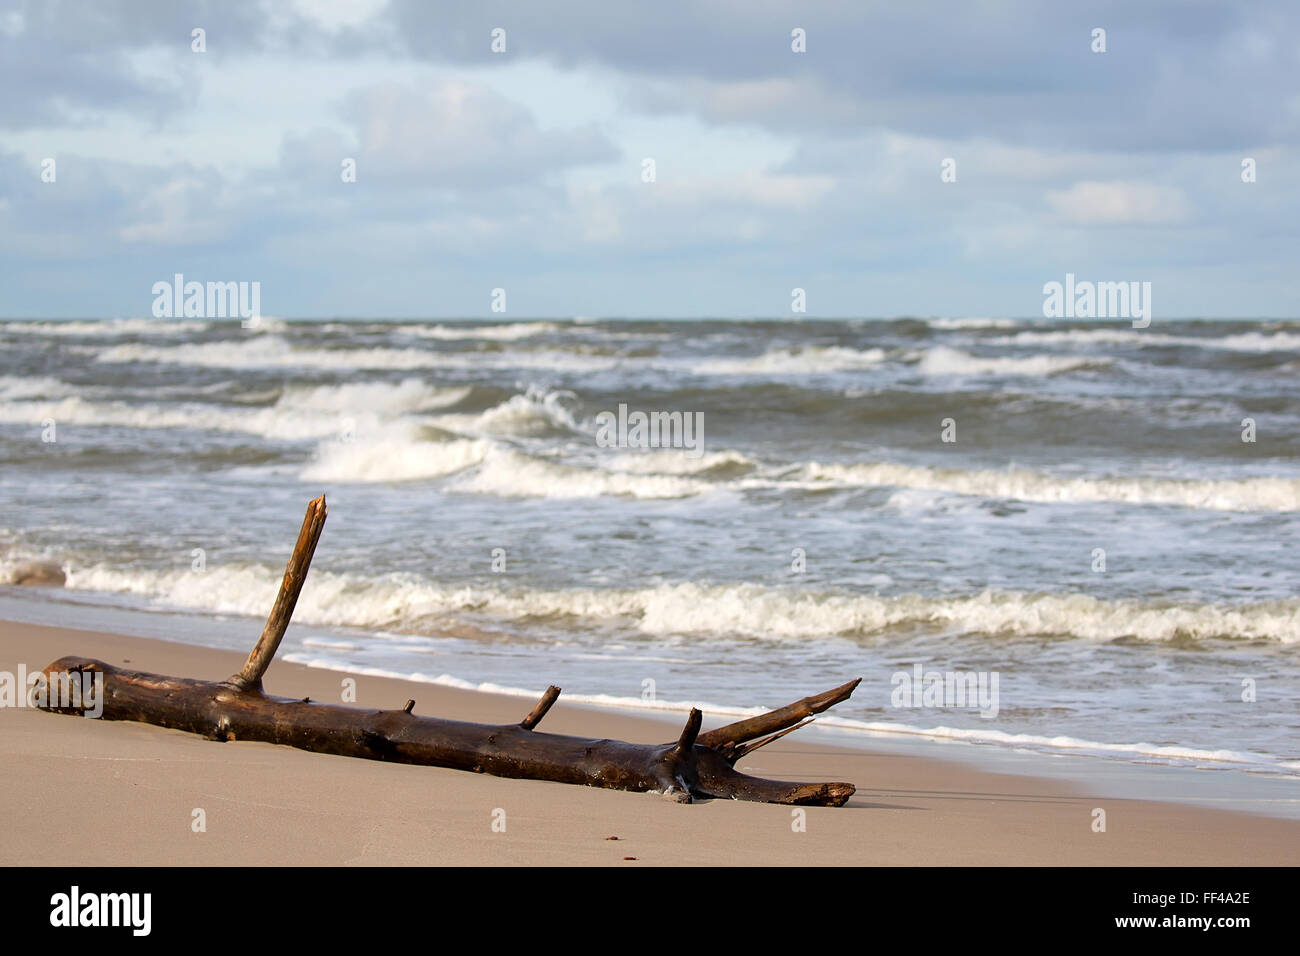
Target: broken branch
{"points": [[539, 710], [295, 575]]}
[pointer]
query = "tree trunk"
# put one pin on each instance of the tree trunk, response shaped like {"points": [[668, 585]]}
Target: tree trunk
{"points": [[696, 765]]}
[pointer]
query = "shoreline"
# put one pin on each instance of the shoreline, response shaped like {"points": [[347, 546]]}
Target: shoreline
{"points": [[1225, 785], [136, 788]]}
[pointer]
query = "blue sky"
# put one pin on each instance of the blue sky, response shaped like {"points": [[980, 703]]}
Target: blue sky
{"points": [[774, 169]]}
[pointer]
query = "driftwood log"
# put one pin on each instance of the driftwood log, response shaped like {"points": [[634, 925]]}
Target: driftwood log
{"points": [[695, 765]]}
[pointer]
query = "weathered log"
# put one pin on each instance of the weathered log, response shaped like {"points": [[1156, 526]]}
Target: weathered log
{"points": [[695, 765]]}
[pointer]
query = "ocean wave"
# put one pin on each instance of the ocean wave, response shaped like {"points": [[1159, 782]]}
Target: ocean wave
{"points": [[272, 351], [274, 423], [298, 414], [406, 602], [22, 386], [267, 352], [676, 461], [1225, 494], [533, 413], [1257, 342], [510, 473], [1240, 342], [484, 466], [972, 323], [1107, 336], [504, 332], [107, 327], [380, 432], [392, 454], [793, 361], [943, 360], [409, 395]]}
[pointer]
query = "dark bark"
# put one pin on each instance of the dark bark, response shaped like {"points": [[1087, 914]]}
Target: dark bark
{"points": [[695, 765]]}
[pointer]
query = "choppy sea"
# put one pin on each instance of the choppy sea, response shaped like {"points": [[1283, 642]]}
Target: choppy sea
{"points": [[1095, 532]]}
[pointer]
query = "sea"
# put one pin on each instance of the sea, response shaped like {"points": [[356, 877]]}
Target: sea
{"points": [[1097, 524]]}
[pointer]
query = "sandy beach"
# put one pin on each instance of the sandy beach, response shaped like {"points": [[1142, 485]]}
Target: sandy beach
{"points": [[136, 787]]}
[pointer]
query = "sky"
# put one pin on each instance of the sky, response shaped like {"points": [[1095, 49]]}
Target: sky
{"points": [[527, 168]]}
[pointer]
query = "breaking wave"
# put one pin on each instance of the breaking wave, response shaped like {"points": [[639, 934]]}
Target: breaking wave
{"points": [[505, 332], [943, 360], [107, 327], [272, 351], [298, 413], [794, 361], [1226, 494], [405, 602], [1240, 342]]}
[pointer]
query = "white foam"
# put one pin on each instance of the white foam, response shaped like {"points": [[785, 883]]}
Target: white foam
{"points": [[942, 360], [381, 397], [504, 332], [1241, 342], [972, 323], [513, 474], [793, 361], [536, 412], [1082, 336], [751, 609], [392, 454], [677, 461], [1225, 494], [18, 386], [1256, 342], [106, 327], [265, 422], [298, 414], [272, 351], [395, 601]]}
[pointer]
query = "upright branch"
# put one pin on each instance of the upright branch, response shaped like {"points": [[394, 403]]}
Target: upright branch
{"points": [[686, 742], [539, 711], [295, 574]]}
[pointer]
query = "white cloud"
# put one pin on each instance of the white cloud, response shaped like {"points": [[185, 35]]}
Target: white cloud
{"points": [[452, 132], [334, 15], [749, 187], [1092, 203], [12, 23], [179, 212]]}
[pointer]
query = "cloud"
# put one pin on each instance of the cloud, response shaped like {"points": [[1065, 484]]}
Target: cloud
{"points": [[1020, 71], [775, 169], [1119, 203], [752, 188], [189, 207], [65, 61], [449, 134]]}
